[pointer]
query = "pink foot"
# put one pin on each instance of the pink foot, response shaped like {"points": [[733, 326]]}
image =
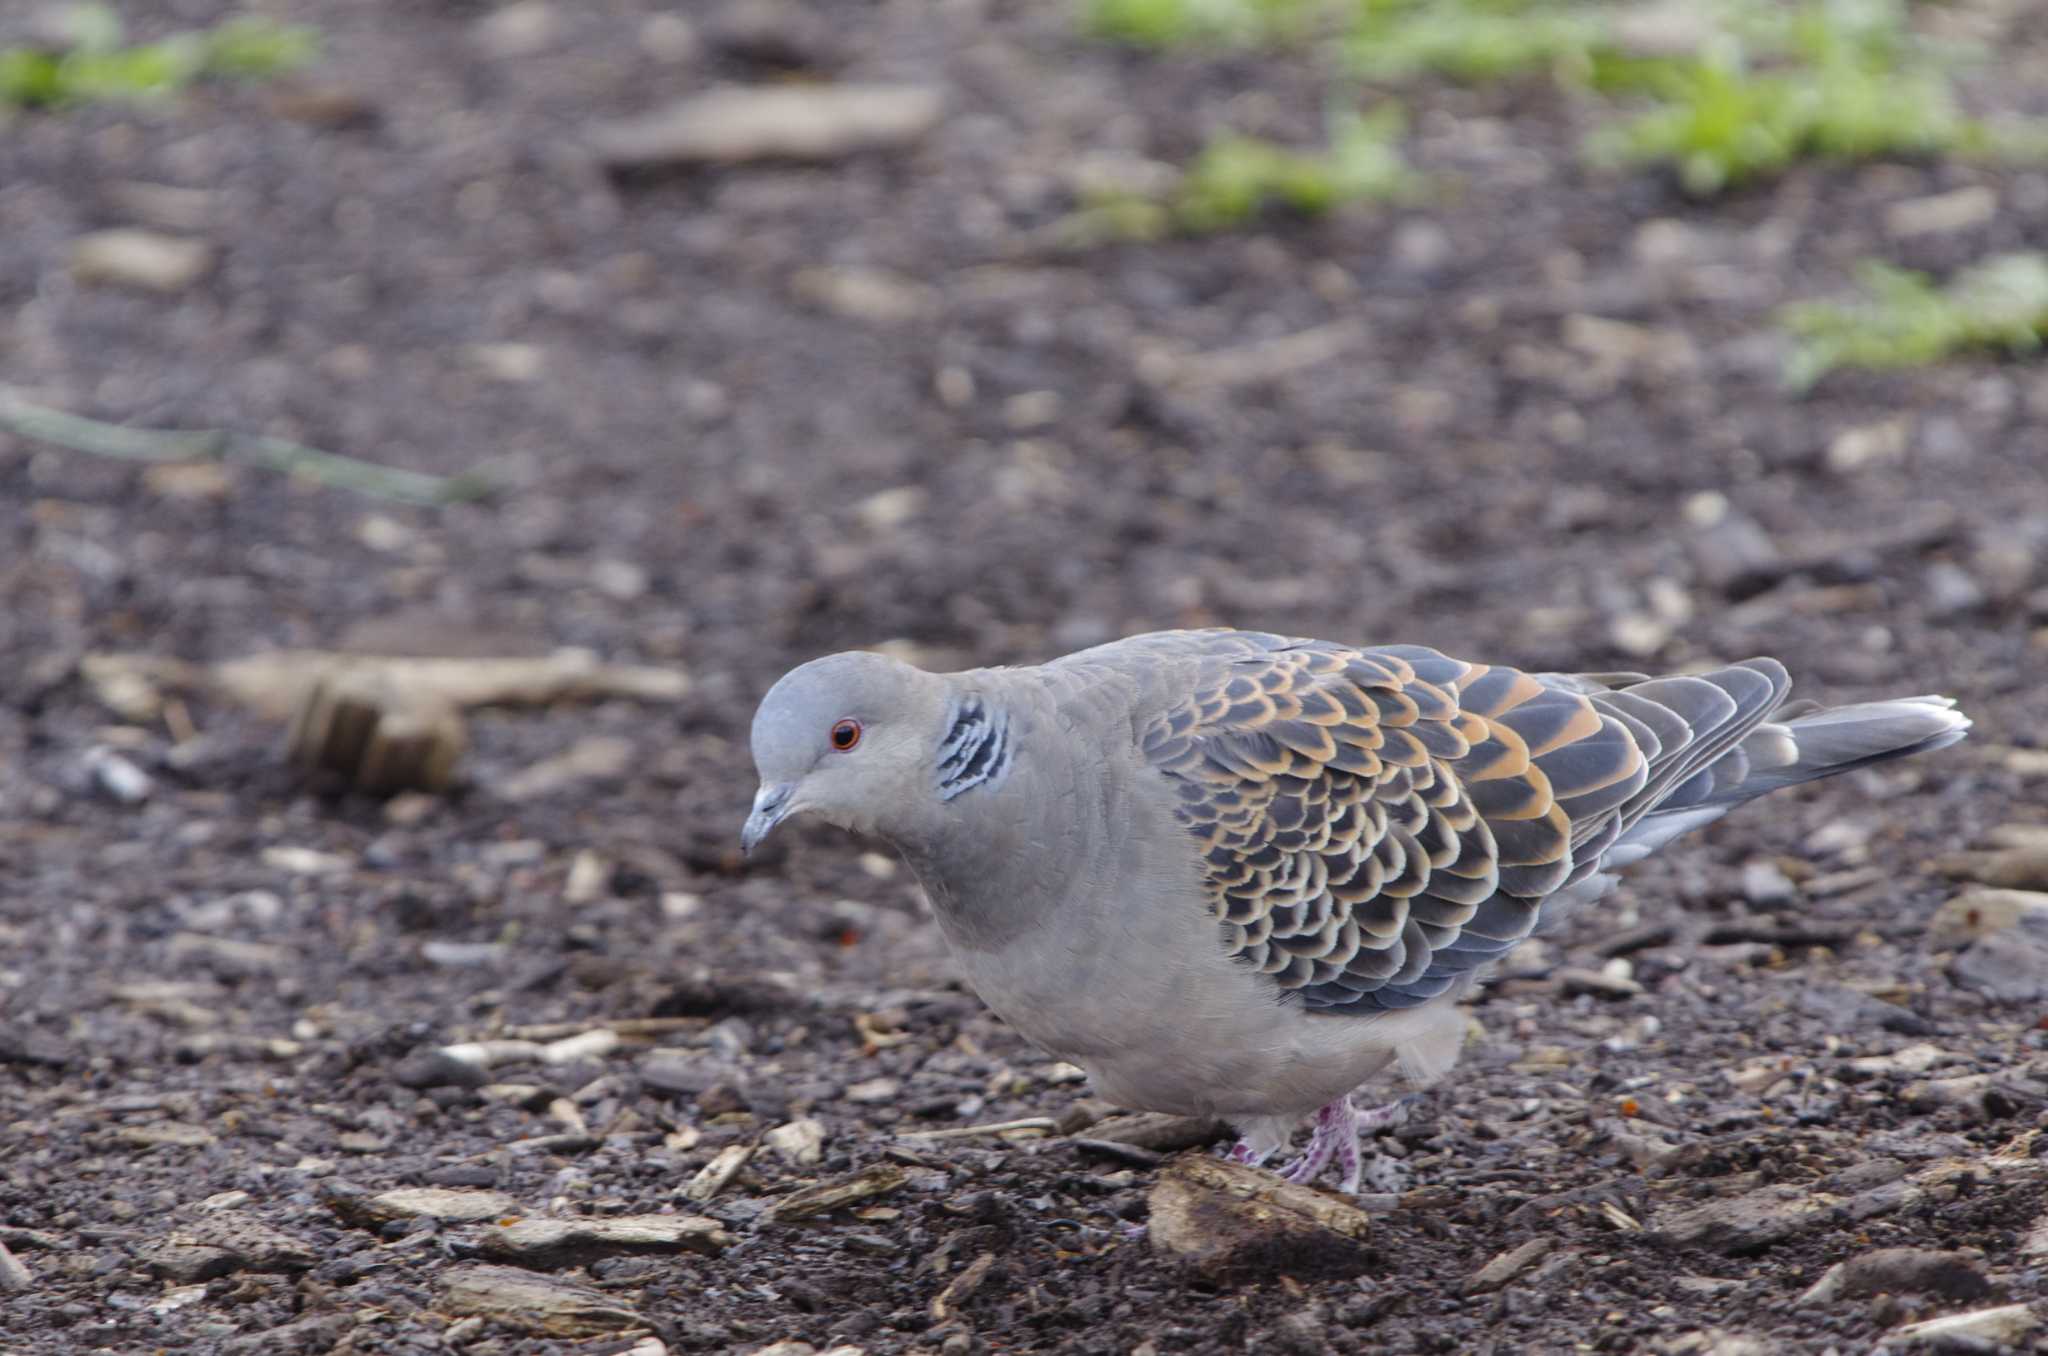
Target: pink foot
{"points": [[1338, 1127], [1244, 1152], [1334, 1136]]}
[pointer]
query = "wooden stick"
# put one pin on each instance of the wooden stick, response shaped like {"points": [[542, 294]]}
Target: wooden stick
{"points": [[81, 434]]}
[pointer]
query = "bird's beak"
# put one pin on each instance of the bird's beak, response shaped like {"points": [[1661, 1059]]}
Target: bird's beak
{"points": [[771, 807]]}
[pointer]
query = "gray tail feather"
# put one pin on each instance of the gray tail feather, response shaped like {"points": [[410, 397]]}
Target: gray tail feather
{"points": [[1821, 743], [1781, 753]]}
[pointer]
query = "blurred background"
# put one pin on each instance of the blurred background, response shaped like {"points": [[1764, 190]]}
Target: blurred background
{"points": [[706, 338]]}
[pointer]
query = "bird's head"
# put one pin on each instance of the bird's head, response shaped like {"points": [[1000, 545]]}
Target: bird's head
{"points": [[850, 738]]}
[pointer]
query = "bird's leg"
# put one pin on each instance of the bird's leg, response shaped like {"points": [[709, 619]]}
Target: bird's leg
{"points": [[1259, 1138], [1248, 1153], [1367, 1122], [1376, 1119], [1338, 1127], [1335, 1133]]}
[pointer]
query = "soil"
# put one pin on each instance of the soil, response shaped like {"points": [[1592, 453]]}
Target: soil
{"points": [[1525, 404]]}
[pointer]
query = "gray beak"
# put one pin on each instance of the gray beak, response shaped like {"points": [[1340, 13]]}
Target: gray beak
{"points": [[771, 804]]}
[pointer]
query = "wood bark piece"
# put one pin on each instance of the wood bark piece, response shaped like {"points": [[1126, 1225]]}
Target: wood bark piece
{"points": [[387, 723], [456, 1205], [533, 1303], [1233, 1223], [714, 1176], [948, 1301], [275, 683], [825, 1197], [1739, 1226], [1160, 1132], [1505, 1268], [572, 1242], [378, 734], [2019, 868], [1999, 1329], [14, 1276], [227, 1243], [1915, 1271]]}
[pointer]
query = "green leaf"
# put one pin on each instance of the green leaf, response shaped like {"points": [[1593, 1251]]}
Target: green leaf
{"points": [[1903, 320]]}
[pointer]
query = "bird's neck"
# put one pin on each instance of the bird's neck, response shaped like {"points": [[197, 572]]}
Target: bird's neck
{"points": [[1019, 817]]}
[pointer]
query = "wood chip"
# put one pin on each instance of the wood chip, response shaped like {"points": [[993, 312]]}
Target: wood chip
{"points": [[2020, 868], [275, 682], [148, 260], [799, 1143], [165, 1133], [713, 1177], [1923, 1271], [1044, 1123], [1596, 983], [2002, 1328], [219, 1245], [825, 1197], [1234, 1223], [785, 122], [962, 1287], [1260, 361], [1159, 1132], [488, 1054], [588, 1045], [14, 1275], [1509, 1265], [534, 1303], [626, 1028], [444, 1203], [1979, 912], [382, 736], [573, 1242], [591, 758]]}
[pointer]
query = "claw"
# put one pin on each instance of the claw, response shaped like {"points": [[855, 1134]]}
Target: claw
{"points": [[1337, 1129], [1335, 1134], [1248, 1154]]}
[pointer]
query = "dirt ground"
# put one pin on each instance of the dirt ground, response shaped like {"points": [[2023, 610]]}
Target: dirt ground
{"points": [[743, 416]]}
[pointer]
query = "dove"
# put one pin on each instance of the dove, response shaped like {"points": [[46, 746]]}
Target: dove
{"points": [[1242, 875]]}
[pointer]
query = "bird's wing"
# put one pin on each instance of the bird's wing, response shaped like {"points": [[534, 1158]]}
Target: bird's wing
{"points": [[1375, 824]]}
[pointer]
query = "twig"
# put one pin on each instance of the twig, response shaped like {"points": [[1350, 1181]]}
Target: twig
{"points": [[623, 1026], [1045, 1123], [81, 434]]}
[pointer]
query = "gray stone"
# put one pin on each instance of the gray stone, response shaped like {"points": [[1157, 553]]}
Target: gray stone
{"points": [[2010, 966]]}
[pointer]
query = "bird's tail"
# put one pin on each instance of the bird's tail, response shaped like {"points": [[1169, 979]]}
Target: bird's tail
{"points": [[1801, 746], [1798, 742]]}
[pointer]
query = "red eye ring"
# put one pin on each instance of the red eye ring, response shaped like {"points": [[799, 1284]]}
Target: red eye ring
{"points": [[845, 735]]}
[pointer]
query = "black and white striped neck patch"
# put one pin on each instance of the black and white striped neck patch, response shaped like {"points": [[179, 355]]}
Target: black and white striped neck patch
{"points": [[976, 750]]}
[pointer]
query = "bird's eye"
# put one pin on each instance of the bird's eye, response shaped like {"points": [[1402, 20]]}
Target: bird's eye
{"points": [[845, 735]]}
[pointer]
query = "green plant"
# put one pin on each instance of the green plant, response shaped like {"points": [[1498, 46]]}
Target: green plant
{"points": [[1904, 320], [256, 49], [1841, 79], [1169, 23], [97, 66], [1720, 123], [1234, 178], [1475, 40]]}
